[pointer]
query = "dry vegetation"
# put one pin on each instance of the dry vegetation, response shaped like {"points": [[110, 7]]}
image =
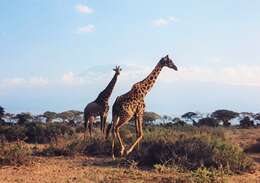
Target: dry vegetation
{"points": [[167, 154]]}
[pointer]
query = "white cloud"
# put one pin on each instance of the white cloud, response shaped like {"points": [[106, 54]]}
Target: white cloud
{"points": [[162, 22], [86, 29], [22, 82], [173, 19], [243, 75], [84, 9], [68, 77], [71, 79]]}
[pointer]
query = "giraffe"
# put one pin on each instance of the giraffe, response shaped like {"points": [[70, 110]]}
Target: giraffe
{"points": [[131, 104], [100, 107]]}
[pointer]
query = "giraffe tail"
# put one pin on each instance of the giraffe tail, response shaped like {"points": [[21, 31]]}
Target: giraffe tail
{"points": [[108, 130]]}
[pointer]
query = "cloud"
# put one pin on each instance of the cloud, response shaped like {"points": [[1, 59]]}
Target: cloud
{"points": [[242, 75], [162, 22], [22, 82], [69, 78], [86, 29], [84, 9]]}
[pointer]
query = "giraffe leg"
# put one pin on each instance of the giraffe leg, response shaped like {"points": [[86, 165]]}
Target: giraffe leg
{"points": [[113, 143], [114, 122], [101, 122], [90, 124], [122, 121], [139, 135], [104, 123], [85, 126], [137, 130]]}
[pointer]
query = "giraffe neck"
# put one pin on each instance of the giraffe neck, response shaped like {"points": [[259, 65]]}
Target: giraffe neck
{"points": [[106, 93], [146, 84]]}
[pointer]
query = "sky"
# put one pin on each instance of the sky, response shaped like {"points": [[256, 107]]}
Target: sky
{"points": [[59, 54]]}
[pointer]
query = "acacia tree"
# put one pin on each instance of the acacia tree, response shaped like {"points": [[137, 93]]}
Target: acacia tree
{"points": [[23, 118], [150, 117], [225, 116], [190, 117], [50, 116]]}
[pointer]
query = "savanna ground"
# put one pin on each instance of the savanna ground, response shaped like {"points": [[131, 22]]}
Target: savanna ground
{"points": [[92, 166]]}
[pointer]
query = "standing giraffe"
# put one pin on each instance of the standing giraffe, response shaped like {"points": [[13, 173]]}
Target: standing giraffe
{"points": [[100, 107], [131, 104]]}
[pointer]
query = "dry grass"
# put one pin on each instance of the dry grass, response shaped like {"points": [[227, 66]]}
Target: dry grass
{"points": [[78, 168]]}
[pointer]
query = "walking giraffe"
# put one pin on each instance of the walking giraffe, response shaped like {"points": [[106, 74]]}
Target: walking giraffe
{"points": [[131, 104]]}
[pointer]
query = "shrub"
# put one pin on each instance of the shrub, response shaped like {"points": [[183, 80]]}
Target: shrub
{"points": [[246, 122], [92, 146], [53, 151], [208, 122], [45, 133], [254, 148], [178, 122], [36, 133], [230, 157], [190, 151], [80, 129], [15, 154], [204, 175], [13, 133], [97, 146]]}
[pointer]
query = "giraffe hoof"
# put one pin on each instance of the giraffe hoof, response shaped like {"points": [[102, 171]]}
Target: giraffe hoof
{"points": [[113, 157], [122, 152], [128, 152]]}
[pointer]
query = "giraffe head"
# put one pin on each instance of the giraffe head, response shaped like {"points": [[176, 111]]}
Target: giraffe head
{"points": [[117, 70], [166, 61]]}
